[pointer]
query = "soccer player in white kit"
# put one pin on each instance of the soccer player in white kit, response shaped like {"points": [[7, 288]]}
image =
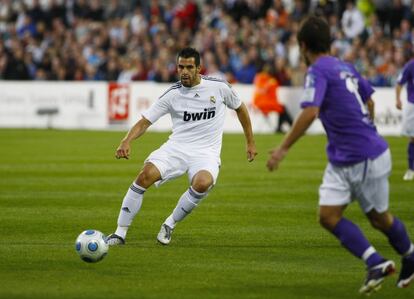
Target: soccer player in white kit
{"points": [[197, 107]]}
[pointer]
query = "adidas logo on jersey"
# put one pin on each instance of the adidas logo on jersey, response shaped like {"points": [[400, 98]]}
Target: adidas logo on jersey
{"points": [[206, 114]]}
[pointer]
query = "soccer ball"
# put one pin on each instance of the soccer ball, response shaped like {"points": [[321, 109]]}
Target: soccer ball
{"points": [[91, 246]]}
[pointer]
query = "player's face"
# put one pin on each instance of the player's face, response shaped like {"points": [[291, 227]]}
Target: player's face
{"points": [[188, 72]]}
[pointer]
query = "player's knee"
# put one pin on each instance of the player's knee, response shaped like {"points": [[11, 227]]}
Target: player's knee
{"points": [[145, 179], [202, 185], [380, 221], [376, 224], [381, 224], [202, 182], [328, 221]]}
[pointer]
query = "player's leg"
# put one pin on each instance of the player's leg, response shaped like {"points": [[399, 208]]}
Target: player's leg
{"points": [[201, 183], [373, 196], [376, 191], [409, 174], [334, 195], [394, 229], [349, 234], [399, 239], [352, 238], [284, 118], [203, 170], [132, 201], [408, 130]]}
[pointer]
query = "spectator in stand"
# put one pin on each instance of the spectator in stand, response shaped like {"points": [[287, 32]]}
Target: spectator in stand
{"points": [[398, 12], [367, 9], [15, 68], [116, 9], [27, 27], [352, 21], [282, 72], [65, 30], [247, 71], [186, 11]]}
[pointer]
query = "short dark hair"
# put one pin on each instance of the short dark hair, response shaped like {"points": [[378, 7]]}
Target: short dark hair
{"points": [[188, 53], [315, 34]]}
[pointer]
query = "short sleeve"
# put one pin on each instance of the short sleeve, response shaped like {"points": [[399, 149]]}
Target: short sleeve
{"points": [[315, 89], [231, 99], [159, 108]]}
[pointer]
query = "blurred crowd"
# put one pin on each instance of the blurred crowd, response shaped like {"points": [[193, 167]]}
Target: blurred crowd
{"points": [[124, 41]]}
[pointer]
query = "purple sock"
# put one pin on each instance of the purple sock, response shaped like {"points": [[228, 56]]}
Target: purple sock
{"points": [[353, 239], [398, 237], [411, 155]]}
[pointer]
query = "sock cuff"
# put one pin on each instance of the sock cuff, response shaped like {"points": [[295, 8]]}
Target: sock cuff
{"points": [[196, 194], [368, 252], [410, 250], [137, 188]]}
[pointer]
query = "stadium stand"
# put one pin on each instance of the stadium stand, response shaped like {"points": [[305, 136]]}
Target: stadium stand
{"points": [[124, 41]]}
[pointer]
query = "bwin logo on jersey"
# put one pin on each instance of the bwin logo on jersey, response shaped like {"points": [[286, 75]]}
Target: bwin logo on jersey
{"points": [[206, 114]]}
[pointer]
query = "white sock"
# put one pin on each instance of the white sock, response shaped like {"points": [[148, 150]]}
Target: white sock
{"points": [[187, 202], [130, 206]]}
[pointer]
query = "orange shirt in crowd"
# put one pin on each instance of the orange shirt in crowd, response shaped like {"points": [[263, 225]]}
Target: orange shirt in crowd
{"points": [[265, 96]]}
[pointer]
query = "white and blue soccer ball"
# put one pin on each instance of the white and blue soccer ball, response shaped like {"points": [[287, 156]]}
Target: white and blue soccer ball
{"points": [[91, 246]]}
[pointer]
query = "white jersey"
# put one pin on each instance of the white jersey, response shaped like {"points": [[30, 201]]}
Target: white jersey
{"points": [[197, 113]]}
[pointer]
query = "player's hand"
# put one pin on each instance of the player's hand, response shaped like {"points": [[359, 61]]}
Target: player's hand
{"points": [[276, 156], [398, 104], [251, 152], [123, 150]]}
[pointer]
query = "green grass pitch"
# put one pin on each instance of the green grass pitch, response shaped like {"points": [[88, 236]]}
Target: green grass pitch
{"points": [[254, 236]]}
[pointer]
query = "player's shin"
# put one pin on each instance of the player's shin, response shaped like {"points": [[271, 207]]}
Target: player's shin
{"points": [[130, 206], [410, 151], [353, 239], [399, 239], [187, 202]]}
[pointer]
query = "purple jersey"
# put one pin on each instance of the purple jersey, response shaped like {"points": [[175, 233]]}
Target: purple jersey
{"points": [[341, 94], [407, 76]]}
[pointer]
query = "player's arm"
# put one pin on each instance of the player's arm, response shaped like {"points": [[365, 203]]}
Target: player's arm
{"points": [[136, 131], [301, 124], [244, 118], [405, 76], [398, 102]]}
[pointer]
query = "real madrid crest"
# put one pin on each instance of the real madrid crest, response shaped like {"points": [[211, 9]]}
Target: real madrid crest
{"points": [[212, 99]]}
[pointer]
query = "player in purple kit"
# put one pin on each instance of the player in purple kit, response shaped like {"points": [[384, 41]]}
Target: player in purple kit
{"points": [[359, 159], [407, 77]]}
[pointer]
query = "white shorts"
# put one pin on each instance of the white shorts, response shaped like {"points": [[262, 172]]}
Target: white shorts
{"points": [[366, 182], [408, 120], [173, 161]]}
